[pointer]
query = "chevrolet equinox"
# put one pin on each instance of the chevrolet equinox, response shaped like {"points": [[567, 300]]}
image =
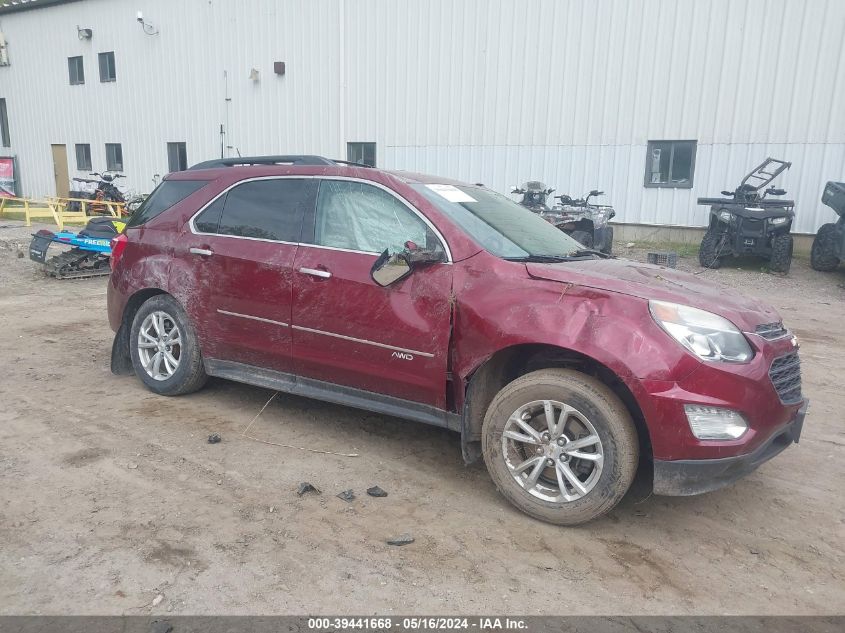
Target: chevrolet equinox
{"points": [[447, 303]]}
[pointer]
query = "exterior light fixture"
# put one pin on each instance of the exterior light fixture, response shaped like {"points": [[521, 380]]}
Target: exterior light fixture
{"points": [[149, 29]]}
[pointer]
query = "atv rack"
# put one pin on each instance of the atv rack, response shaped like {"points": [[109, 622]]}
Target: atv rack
{"points": [[291, 159]]}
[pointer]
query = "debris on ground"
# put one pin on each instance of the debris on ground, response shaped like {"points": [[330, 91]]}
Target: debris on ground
{"points": [[305, 487], [160, 626], [402, 539], [214, 438], [132, 465], [346, 495], [157, 600], [375, 491]]}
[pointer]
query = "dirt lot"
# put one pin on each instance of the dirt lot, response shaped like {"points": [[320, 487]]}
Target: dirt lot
{"points": [[110, 496]]}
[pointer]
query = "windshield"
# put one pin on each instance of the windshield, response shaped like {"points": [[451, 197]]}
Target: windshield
{"points": [[499, 224]]}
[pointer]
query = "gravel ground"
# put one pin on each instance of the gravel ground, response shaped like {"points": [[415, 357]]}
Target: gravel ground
{"points": [[113, 502]]}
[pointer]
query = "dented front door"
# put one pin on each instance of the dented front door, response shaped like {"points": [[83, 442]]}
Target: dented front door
{"points": [[347, 329]]}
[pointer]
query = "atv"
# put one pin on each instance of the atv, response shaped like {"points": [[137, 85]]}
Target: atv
{"points": [[745, 222], [89, 253], [829, 244], [586, 223]]}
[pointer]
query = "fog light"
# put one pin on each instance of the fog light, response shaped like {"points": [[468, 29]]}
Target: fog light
{"points": [[713, 423]]}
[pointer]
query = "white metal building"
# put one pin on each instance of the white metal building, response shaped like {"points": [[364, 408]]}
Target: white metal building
{"points": [[571, 92]]}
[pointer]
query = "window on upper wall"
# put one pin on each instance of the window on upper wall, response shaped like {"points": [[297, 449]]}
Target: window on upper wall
{"points": [[177, 157], [670, 164], [108, 72], [83, 157], [75, 71], [4, 125], [114, 157], [361, 153]]}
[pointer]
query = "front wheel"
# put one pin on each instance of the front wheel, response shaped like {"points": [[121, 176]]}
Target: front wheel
{"points": [[583, 237], [560, 446], [781, 258], [824, 255], [710, 251], [164, 348]]}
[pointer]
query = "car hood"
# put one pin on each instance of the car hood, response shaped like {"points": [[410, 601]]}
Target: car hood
{"points": [[656, 282]]}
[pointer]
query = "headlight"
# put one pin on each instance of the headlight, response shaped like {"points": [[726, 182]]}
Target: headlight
{"points": [[726, 216], [714, 423], [778, 220], [707, 335]]}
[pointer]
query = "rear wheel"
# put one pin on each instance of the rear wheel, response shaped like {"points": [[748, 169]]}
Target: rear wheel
{"points": [[781, 258], [560, 446], [710, 251], [824, 255], [583, 237], [607, 247], [164, 348]]}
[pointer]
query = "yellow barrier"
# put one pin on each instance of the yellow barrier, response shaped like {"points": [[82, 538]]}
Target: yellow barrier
{"points": [[115, 209], [37, 209], [56, 209]]}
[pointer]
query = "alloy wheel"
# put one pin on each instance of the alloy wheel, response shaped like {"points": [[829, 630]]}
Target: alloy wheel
{"points": [[159, 345], [552, 451]]}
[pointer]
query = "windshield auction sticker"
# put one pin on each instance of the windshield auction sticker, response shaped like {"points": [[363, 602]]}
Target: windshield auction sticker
{"points": [[451, 193]]}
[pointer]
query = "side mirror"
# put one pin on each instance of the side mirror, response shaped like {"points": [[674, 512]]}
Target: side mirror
{"points": [[514, 189], [596, 192], [611, 215], [727, 193], [388, 269]]}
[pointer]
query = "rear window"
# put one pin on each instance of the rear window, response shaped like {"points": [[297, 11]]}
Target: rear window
{"points": [[165, 196]]}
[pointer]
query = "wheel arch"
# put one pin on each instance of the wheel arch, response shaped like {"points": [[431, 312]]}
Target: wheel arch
{"points": [[509, 363]]}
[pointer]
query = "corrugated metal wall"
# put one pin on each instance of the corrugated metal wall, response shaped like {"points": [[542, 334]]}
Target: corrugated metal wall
{"points": [[493, 91]]}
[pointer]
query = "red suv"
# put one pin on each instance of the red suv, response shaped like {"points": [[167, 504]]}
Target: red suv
{"points": [[449, 304]]}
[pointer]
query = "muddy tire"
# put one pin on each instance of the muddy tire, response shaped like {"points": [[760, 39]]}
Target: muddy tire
{"points": [[824, 255], [607, 246], [709, 253], [781, 258], [570, 470], [164, 348], [583, 237]]}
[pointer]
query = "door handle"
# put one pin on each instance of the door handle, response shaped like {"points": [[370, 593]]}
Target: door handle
{"points": [[201, 251], [314, 272]]}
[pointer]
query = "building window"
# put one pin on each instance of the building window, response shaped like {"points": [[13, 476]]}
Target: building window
{"points": [[177, 157], [4, 125], [114, 157], [75, 71], [83, 157], [670, 164], [107, 68], [361, 153]]}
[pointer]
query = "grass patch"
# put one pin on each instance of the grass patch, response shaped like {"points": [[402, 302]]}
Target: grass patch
{"points": [[683, 249]]}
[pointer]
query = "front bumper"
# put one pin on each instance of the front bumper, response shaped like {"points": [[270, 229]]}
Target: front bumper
{"points": [[685, 477]]}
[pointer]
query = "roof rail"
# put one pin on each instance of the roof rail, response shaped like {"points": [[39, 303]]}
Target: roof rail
{"points": [[264, 160]]}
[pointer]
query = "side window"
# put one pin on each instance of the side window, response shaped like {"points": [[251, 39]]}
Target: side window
{"points": [[268, 209], [361, 217], [209, 219]]}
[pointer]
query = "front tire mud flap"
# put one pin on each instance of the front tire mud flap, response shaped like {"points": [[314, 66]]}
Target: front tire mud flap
{"points": [[121, 361]]}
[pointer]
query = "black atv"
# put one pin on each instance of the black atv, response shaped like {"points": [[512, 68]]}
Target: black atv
{"points": [[586, 223], [829, 243], [745, 222]]}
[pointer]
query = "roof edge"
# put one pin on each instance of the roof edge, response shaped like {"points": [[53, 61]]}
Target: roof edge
{"points": [[12, 6]]}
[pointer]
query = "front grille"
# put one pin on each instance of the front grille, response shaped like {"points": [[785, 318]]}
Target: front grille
{"points": [[752, 226], [785, 374], [770, 331]]}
